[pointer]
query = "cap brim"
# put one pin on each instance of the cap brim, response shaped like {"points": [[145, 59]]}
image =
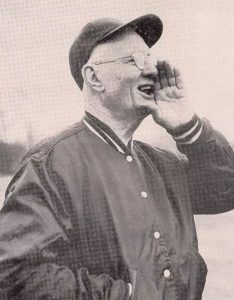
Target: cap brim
{"points": [[149, 27]]}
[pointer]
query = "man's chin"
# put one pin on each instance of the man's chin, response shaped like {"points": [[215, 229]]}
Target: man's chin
{"points": [[142, 112], [142, 105]]}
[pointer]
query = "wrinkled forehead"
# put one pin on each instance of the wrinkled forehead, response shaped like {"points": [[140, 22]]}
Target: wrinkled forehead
{"points": [[121, 45]]}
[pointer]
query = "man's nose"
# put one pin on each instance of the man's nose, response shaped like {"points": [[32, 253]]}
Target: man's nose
{"points": [[150, 69]]}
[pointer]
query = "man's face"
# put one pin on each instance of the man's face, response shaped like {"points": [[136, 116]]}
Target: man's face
{"points": [[127, 89]]}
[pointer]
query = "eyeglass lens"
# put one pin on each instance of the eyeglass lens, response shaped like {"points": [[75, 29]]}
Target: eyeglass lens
{"points": [[139, 59]]}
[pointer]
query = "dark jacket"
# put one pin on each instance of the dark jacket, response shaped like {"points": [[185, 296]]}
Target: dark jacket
{"points": [[80, 220]]}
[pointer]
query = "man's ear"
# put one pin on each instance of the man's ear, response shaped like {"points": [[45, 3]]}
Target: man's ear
{"points": [[90, 77]]}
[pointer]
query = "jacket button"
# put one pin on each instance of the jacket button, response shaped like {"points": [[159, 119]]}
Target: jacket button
{"points": [[166, 273], [157, 235], [129, 158], [144, 194]]}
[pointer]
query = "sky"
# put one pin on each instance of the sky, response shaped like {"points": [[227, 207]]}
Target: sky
{"points": [[38, 94]]}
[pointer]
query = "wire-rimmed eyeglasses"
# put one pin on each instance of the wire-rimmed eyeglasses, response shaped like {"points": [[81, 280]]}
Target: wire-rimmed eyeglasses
{"points": [[138, 58]]}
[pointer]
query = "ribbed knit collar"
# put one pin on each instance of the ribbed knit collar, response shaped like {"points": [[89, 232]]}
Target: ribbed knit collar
{"points": [[107, 134]]}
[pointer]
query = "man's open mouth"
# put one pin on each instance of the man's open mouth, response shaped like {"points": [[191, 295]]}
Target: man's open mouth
{"points": [[147, 89]]}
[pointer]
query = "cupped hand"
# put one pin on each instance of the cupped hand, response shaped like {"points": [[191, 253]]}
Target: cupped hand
{"points": [[172, 109]]}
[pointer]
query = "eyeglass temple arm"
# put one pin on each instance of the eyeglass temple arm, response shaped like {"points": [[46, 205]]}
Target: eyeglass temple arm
{"points": [[103, 62], [108, 61]]}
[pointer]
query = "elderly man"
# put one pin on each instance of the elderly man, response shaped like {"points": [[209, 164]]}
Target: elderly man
{"points": [[92, 214]]}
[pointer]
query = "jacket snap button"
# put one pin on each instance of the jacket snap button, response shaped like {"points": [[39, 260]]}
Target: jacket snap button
{"points": [[129, 158], [166, 273], [157, 235]]}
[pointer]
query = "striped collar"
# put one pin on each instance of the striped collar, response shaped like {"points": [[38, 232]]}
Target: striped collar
{"points": [[106, 134]]}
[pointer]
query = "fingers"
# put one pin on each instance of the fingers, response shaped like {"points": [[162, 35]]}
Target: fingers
{"points": [[161, 95], [179, 93], [162, 74], [169, 73], [157, 85], [169, 94], [167, 76], [178, 79]]}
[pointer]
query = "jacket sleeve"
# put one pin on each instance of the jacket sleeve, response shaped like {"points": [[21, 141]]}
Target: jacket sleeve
{"points": [[210, 172], [33, 223]]}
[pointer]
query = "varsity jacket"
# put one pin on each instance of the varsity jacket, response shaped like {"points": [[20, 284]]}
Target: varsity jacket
{"points": [[82, 220]]}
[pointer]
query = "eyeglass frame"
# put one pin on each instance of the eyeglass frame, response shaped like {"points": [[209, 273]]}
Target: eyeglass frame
{"points": [[129, 56]]}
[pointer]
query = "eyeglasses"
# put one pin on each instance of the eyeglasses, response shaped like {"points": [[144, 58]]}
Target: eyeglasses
{"points": [[138, 58]]}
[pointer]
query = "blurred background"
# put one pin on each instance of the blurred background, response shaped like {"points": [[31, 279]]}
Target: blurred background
{"points": [[38, 96]]}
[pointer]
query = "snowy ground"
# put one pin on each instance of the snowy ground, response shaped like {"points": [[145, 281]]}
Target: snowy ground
{"points": [[216, 244]]}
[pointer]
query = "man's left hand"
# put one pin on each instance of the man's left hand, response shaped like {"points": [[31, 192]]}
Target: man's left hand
{"points": [[172, 109]]}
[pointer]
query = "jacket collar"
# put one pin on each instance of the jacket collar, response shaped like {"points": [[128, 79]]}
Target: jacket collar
{"points": [[106, 134]]}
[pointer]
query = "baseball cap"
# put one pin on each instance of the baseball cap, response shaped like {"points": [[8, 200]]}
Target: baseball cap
{"points": [[149, 27]]}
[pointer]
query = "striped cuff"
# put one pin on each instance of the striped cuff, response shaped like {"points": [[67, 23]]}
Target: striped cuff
{"points": [[189, 132]]}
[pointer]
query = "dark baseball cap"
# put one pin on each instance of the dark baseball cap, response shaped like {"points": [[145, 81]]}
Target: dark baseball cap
{"points": [[149, 27]]}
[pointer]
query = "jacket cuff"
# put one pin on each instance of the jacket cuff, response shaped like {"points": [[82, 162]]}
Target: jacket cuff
{"points": [[205, 138], [189, 132]]}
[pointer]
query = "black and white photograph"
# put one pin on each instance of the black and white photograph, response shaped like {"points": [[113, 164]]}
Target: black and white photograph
{"points": [[116, 150]]}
